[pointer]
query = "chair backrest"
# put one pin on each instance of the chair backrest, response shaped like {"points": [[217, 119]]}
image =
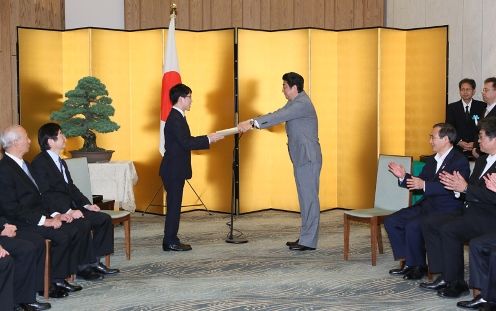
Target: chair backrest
{"points": [[80, 173], [388, 195]]}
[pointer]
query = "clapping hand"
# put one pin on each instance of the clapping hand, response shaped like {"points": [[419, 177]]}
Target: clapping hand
{"points": [[454, 181]]}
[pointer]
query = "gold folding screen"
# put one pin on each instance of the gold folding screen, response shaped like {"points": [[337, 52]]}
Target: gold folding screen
{"points": [[375, 91]]}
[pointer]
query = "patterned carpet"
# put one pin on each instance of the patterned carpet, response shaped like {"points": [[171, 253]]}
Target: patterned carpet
{"points": [[260, 275]]}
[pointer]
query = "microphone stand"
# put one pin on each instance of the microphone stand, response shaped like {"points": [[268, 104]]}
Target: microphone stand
{"points": [[235, 194], [235, 165]]}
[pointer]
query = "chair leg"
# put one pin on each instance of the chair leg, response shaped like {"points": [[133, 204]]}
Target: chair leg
{"points": [[379, 239], [48, 270], [127, 237], [373, 239], [346, 234], [107, 260]]}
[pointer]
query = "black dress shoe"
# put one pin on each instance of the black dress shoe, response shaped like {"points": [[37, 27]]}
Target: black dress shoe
{"points": [[176, 247], [299, 247], [68, 287], [55, 292], [415, 273], [475, 303], [400, 271], [455, 289], [89, 274], [103, 269], [289, 243], [36, 306], [438, 284]]}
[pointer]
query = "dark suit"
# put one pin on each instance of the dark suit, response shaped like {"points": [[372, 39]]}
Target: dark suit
{"points": [[466, 127], [176, 168], [403, 226], [60, 196], [29, 258], [22, 205], [7, 282], [444, 236], [483, 265]]}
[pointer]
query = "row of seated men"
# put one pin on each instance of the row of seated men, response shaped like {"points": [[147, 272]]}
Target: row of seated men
{"points": [[38, 202], [457, 207]]}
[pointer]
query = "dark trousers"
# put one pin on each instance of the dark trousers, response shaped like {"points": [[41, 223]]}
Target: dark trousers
{"points": [[174, 201], [483, 265], [40, 250], [25, 255], [405, 232], [7, 283], [445, 236], [103, 233]]}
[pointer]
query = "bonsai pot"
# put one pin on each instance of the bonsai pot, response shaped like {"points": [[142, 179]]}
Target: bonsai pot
{"points": [[93, 156]]}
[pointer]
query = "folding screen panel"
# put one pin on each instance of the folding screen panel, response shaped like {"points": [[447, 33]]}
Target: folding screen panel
{"points": [[266, 174]]}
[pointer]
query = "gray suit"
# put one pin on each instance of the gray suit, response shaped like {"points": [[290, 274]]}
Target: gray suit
{"points": [[304, 151]]}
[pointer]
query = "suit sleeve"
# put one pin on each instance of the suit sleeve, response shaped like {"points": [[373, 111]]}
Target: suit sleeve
{"points": [[480, 194], [292, 110], [186, 141]]}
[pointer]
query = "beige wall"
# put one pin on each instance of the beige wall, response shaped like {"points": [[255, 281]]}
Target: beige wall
{"points": [[471, 34]]}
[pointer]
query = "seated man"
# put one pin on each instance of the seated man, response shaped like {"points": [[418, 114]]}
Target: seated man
{"points": [[27, 273], [22, 205], [445, 235], [64, 198], [403, 226]]}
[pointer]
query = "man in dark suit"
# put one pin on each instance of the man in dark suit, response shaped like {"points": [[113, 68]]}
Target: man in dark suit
{"points": [[62, 197], [464, 115], [22, 205], [28, 274], [176, 162], [403, 226], [444, 236], [489, 97]]}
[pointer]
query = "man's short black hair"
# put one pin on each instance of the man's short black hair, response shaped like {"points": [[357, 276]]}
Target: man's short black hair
{"points": [[488, 125], [292, 78], [469, 81], [178, 90], [446, 129], [47, 131]]}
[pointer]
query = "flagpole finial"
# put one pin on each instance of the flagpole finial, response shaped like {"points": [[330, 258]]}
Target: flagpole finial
{"points": [[173, 10]]}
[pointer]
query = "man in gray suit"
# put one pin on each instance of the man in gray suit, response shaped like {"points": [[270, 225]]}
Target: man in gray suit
{"points": [[304, 151]]}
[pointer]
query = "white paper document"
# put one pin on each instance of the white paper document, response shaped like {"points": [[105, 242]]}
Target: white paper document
{"points": [[230, 131]]}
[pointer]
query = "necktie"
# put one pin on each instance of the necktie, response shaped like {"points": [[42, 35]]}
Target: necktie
{"points": [[467, 112], [26, 170], [61, 169]]}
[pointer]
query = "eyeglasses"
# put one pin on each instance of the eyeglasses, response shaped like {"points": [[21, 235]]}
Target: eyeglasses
{"points": [[434, 137], [486, 90]]}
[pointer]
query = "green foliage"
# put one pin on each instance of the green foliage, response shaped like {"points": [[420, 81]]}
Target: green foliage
{"points": [[86, 110]]}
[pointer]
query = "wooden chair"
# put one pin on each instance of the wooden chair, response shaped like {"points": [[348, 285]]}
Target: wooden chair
{"points": [[48, 270], [389, 197], [78, 167]]}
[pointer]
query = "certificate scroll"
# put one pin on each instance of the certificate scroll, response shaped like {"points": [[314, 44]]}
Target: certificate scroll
{"points": [[229, 131]]}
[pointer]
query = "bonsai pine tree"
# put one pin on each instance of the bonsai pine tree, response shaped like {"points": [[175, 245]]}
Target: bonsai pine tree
{"points": [[86, 110]]}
